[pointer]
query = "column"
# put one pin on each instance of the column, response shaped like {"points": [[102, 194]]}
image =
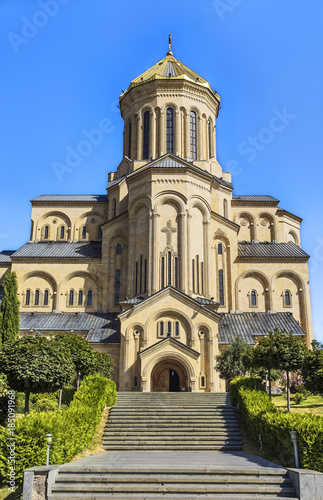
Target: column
{"points": [[162, 139], [199, 155], [182, 251], [131, 257], [155, 256], [188, 253], [177, 149], [211, 365], [202, 351], [136, 335], [139, 138], [206, 257]]}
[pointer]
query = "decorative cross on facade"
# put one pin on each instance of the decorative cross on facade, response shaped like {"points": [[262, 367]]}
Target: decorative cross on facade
{"points": [[169, 230]]}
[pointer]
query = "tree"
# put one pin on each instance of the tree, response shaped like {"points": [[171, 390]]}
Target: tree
{"points": [[104, 364], [264, 355], [312, 369], [35, 364], [9, 312], [229, 363], [82, 354]]}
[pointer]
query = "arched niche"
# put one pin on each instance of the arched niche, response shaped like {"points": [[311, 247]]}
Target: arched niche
{"points": [[253, 280]]}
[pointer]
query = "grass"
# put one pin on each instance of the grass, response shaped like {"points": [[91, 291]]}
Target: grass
{"points": [[8, 495], [313, 404]]}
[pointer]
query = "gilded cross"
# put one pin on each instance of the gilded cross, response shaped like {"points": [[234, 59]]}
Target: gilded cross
{"points": [[169, 230]]}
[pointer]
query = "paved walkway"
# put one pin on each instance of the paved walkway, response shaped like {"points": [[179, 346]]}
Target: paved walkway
{"points": [[206, 460]]}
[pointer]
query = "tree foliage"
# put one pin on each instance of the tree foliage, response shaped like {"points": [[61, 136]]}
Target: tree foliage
{"points": [[9, 312], [104, 364], [82, 354], [229, 363], [312, 369], [35, 364]]}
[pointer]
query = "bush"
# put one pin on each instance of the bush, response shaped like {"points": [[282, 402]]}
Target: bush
{"points": [[246, 382], [72, 428], [261, 417], [298, 398], [44, 404]]}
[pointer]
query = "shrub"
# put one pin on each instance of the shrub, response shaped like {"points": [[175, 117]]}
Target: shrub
{"points": [[298, 398], [261, 417], [72, 428], [246, 382], [44, 404]]}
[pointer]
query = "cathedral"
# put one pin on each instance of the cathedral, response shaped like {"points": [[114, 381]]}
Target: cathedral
{"points": [[168, 266]]}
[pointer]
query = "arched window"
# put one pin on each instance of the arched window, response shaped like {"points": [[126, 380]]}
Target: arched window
{"points": [[225, 208], [129, 140], [46, 296], [118, 249], [169, 270], [62, 232], [176, 272], [219, 249], [176, 328], [221, 288], [161, 328], [203, 381], [71, 298], [287, 298], [100, 233], [169, 130], [89, 298], [28, 298], [210, 138], [193, 134], [117, 288], [162, 273], [46, 232], [83, 232], [80, 298], [253, 298], [37, 298], [146, 135], [169, 328]]}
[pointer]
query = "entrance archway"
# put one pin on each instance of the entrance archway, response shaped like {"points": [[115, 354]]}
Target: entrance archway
{"points": [[168, 376]]}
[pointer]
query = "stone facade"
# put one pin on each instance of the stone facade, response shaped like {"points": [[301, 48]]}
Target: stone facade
{"points": [[169, 251]]}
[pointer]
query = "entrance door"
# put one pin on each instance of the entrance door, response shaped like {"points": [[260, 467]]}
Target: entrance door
{"points": [[173, 381]]}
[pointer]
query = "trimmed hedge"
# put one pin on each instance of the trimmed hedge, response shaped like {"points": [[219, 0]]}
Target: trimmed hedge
{"points": [[246, 382], [261, 417], [72, 428]]}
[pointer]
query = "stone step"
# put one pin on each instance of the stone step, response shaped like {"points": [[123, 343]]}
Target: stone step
{"points": [[168, 431], [170, 447]]}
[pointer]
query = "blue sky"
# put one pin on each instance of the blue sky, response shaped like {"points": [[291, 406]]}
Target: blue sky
{"points": [[62, 72]]}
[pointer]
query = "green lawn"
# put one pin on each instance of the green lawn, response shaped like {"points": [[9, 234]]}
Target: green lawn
{"points": [[313, 404], [6, 494]]}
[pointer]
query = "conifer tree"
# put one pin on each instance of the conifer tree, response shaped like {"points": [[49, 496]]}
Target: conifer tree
{"points": [[9, 312]]}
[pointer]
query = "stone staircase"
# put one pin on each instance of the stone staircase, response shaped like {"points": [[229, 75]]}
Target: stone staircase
{"points": [[172, 421]]}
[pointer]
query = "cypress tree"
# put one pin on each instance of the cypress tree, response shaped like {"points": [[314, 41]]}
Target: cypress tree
{"points": [[9, 312]]}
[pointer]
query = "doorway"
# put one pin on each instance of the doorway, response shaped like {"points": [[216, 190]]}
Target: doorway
{"points": [[174, 385], [168, 376]]}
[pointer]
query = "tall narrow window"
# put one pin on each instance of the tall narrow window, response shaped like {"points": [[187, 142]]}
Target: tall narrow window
{"points": [[176, 329], [140, 274], [287, 298], [136, 278], [253, 298], [202, 278], [28, 298], [146, 135], [114, 211], [62, 233], [193, 275], [118, 249], [46, 296], [71, 298], [161, 328], [83, 232], [210, 138], [129, 140], [169, 328], [225, 208], [80, 301], [219, 249], [37, 298], [169, 271], [197, 274], [89, 298], [169, 130], [221, 289], [145, 277], [162, 272], [176, 272], [46, 233], [117, 288], [193, 134], [100, 233]]}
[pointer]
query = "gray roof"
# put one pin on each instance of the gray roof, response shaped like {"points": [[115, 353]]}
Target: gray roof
{"points": [[252, 323], [115, 181], [265, 249], [254, 197], [55, 249], [5, 255], [71, 197], [98, 327], [205, 302]]}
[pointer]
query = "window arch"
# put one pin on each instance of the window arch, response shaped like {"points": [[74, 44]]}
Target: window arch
{"points": [[46, 233], [193, 135], [287, 298], [146, 135], [62, 232], [83, 232], [46, 297], [117, 288], [220, 249], [37, 295], [221, 288], [169, 130], [71, 298], [253, 298], [118, 249], [28, 294], [80, 298], [89, 298]]}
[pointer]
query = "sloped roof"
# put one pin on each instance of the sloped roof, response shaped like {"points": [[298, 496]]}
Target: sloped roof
{"points": [[71, 197], [55, 249], [265, 249], [98, 327], [248, 324], [254, 198], [5, 255]]}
